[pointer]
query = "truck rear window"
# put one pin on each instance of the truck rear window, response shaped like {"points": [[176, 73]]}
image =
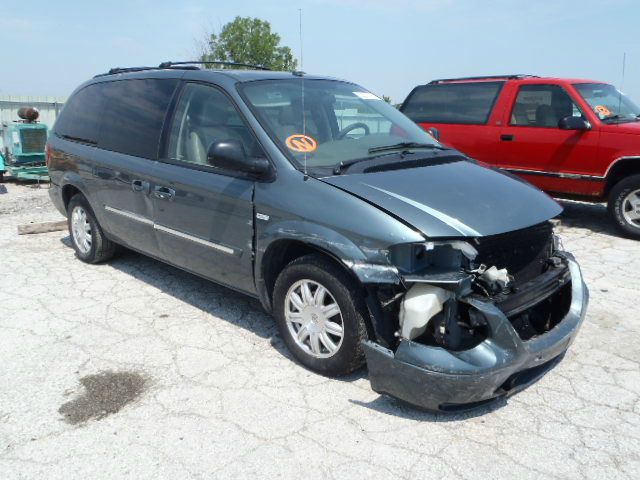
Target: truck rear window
{"points": [[469, 103]]}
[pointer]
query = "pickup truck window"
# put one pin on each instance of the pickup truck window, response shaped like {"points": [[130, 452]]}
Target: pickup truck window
{"points": [[608, 103], [542, 106], [466, 103]]}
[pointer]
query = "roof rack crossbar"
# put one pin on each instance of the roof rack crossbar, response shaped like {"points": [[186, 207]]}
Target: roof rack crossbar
{"points": [[512, 76], [178, 65], [227, 64]]}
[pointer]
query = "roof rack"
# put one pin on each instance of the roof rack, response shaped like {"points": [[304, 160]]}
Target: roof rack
{"points": [[179, 66], [513, 76], [226, 64]]}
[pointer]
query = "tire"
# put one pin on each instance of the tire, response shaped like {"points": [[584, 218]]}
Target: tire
{"points": [[95, 247], [621, 207], [342, 290]]}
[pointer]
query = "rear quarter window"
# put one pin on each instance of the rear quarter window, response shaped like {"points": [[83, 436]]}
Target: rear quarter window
{"points": [[80, 117], [134, 114], [466, 103]]}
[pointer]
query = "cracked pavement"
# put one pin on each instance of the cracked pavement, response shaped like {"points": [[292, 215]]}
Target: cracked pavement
{"points": [[224, 398]]}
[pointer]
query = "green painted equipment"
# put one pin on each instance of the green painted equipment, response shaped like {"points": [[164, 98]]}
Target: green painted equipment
{"points": [[23, 153]]}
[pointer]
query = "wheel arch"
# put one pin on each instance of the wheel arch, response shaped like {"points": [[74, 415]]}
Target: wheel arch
{"points": [[72, 184], [279, 253], [620, 169]]}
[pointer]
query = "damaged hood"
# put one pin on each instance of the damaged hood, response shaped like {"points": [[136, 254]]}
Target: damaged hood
{"points": [[452, 199]]}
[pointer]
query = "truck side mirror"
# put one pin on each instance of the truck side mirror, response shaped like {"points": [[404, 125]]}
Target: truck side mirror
{"points": [[230, 155], [573, 123], [434, 132]]}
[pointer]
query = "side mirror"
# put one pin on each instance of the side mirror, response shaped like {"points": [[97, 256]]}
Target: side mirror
{"points": [[230, 155], [434, 132], [573, 123]]}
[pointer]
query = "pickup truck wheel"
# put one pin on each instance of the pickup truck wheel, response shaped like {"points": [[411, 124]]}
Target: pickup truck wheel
{"points": [[87, 237], [320, 313], [624, 205]]}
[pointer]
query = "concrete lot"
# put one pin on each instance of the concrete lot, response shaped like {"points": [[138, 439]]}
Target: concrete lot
{"points": [[215, 394]]}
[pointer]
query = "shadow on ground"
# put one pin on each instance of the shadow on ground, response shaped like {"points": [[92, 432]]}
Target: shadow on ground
{"points": [[591, 216]]}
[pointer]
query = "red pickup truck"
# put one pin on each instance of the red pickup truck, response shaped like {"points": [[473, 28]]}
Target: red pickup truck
{"points": [[572, 138]]}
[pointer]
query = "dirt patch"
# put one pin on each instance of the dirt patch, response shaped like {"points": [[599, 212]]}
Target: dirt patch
{"points": [[105, 393]]}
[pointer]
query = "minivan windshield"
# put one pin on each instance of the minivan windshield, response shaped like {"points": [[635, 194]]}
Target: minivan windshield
{"points": [[342, 122], [608, 103]]}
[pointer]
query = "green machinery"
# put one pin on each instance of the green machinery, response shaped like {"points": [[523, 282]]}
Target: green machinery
{"points": [[23, 153]]}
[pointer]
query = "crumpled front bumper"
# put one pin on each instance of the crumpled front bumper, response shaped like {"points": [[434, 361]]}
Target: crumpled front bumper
{"points": [[437, 379]]}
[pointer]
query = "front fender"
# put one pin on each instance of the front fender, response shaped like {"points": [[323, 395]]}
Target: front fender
{"points": [[368, 264]]}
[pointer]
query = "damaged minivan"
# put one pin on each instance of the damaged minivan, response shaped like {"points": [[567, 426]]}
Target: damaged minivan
{"points": [[368, 240]]}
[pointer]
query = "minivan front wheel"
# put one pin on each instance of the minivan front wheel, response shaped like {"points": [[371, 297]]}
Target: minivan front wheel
{"points": [[624, 205], [320, 313], [87, 237]]}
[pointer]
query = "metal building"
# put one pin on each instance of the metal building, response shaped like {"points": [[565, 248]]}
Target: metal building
{"points": [[49, 107]]}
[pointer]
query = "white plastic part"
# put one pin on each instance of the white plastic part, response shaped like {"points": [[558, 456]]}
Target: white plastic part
{"points": [[419, 305], [492, 275]]}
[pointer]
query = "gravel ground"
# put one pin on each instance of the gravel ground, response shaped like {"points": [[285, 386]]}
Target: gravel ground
{"points": [[134, 369]]}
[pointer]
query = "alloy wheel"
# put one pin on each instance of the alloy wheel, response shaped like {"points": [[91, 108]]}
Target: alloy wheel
{"points": [[314, 318], [81, 229], [631, 208]]}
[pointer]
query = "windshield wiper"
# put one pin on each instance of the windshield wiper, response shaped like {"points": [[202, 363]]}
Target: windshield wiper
{"points": [[342, 166], [404, 146], [617, 116]]}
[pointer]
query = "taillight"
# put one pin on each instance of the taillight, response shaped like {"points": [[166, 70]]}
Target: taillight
{"points": [[47, 154]]}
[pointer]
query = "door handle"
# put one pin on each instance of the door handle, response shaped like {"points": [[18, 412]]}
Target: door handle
{"points": [[165, 193], [140, 186], [506, 138]]}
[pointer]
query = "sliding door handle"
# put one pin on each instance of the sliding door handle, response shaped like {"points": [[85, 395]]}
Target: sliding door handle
{"points": [[140, 186]]}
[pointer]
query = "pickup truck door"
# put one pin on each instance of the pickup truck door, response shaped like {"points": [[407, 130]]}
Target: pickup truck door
{"points": [[203, 216], [532, 145]]}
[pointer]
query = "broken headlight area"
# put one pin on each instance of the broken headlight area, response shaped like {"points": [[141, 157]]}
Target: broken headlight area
{"points": [[520, 272], [473, 319]]}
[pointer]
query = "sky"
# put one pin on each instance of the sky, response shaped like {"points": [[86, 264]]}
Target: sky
{"points": [[387, 46]]}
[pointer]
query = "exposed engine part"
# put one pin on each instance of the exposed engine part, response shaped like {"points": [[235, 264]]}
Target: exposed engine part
{"points": [[492, 280], [458, 327], [522, 252], [30, 114], [420, 304]]}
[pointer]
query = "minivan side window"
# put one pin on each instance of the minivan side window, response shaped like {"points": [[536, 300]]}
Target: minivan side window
{"points": [[134, 114], [542, 106], [465, 103], [80, 117], [205, 115]]}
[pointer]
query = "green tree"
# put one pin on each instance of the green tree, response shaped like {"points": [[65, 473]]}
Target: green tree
{"points": [[248, 40]]}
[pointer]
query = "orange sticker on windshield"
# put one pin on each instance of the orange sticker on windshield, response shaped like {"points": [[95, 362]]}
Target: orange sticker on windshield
{"points": [[301, 143], [602, 110]]}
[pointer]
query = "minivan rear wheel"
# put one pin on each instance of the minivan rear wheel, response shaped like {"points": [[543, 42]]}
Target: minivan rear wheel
{"points": [[87, 237], [624, 205], [320, 313]]}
